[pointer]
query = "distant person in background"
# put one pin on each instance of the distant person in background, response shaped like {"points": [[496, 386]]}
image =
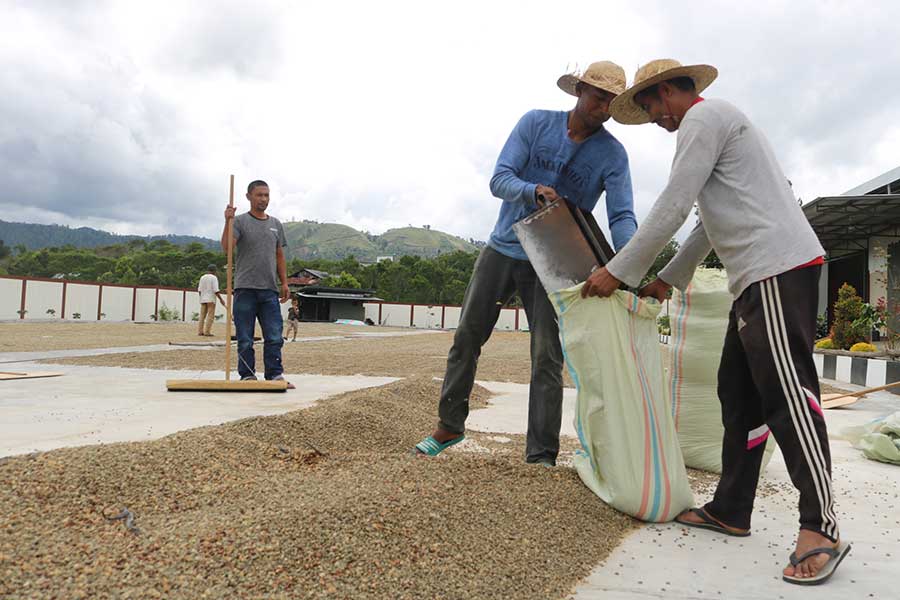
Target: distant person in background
{"points": [[260, 282], [209, 291], [550, 155], [293, 319]]}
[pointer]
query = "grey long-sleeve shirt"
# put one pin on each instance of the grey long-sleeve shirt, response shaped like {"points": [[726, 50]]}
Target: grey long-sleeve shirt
{"points": [[748, 213]]}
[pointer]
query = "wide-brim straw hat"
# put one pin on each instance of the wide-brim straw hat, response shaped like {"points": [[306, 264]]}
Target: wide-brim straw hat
{"points": [[624, 109], [605, 75]]}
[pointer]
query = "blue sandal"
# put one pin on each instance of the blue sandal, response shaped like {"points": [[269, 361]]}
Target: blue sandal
{"points": [[431, 447]]}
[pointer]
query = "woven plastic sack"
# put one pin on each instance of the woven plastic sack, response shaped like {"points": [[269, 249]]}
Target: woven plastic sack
{"points": [[630, 456], [698, 318], [879, 440]]}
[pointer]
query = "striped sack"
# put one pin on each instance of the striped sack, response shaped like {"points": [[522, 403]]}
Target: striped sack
{"points": [[630, 456], [699, 318]]}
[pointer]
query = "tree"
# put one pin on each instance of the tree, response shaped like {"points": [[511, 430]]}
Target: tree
{"points": [[848, 328], [344, 280], [670, 250], [4, 250], [712, 261]]}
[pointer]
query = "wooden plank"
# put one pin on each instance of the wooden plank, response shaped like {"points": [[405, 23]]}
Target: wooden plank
{"points": [[838, 400], [217, 385], [229, 252], [6, 375]]}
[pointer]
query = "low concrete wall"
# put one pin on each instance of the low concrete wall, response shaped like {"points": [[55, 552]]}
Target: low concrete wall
{"points": [[436, 316], [859, 370], [114, 302]]}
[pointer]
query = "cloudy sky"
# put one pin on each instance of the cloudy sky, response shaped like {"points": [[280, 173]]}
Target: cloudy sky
{"points": [[129, 116]]}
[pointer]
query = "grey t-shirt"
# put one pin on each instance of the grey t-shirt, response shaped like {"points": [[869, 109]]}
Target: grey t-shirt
{"points": [[257, 240], [747, 208]]}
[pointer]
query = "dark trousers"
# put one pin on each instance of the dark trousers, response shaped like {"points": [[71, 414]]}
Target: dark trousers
{"points": [[768, 383], [251, 305], [494, 280]]}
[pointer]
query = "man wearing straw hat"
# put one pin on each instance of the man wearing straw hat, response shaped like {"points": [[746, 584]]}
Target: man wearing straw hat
{"points": [[549, 155], [767, 378]]}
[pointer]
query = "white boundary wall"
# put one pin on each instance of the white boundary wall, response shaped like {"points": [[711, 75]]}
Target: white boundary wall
{"points": [[41, 296], [82, 299], [10, 298], [436, 316], [118, 303]]}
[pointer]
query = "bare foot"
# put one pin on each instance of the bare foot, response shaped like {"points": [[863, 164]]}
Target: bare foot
{"points": [[689, 516], [806, 541], [443, 436]]}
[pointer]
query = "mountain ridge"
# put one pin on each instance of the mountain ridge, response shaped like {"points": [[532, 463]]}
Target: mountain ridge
{"points": [[306, 239]]}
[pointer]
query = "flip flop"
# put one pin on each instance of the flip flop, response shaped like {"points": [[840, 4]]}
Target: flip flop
{"points": [[431, 447], [835, 556], [710, 523]]}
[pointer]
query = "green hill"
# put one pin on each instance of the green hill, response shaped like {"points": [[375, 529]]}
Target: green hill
{"points": [[422, 242], [306, 240], [309, 239], [35, 237]]}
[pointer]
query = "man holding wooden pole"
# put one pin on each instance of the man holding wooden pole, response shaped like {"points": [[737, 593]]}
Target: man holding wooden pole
{"points": [[260, 282]]}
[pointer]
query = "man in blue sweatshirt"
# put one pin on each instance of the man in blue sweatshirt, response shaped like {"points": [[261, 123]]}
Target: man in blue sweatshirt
{"points": [[549, 155]]}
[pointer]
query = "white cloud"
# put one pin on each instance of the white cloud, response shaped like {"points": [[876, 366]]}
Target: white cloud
{"points": [[380, 115]]}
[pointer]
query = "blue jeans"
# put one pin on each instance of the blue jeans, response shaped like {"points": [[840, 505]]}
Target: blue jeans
{"points": [[250, 305]]}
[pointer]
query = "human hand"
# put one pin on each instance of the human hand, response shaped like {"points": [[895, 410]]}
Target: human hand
{"points": [[285, 293], [229, 212], [544, 195], [657, 288], [601, 283]]}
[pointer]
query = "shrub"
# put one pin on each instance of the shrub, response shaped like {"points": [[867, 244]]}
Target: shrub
{"points": [[168, 314], [849, 326], [863, 347], [826, 344], [822, 325], [76, 315], [662, 324]]}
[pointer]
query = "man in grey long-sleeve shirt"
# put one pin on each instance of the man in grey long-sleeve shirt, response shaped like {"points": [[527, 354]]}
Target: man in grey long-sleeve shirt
{"points": [[767, 378]]}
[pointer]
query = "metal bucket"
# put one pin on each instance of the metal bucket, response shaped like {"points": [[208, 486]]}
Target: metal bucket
{"points": [[563, 243]]}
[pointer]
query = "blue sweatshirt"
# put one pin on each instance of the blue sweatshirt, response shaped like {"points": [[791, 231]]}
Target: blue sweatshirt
{"points": [[539, 151]]}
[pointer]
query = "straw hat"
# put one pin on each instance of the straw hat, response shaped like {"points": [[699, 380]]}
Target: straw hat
{"points": [[605, 75], [624, 110]]}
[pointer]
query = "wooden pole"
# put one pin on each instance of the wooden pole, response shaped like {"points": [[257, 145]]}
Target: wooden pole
{"points": [[865, 391], [229, 251]]}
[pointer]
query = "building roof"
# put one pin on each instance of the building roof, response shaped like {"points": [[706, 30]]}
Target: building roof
{"points": [[845, 223], [318, 291], [330, 296], [890, 181]]}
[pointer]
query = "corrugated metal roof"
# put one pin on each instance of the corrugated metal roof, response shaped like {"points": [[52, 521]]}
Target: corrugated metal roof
{"points": [[873, 184], [362, 297]]}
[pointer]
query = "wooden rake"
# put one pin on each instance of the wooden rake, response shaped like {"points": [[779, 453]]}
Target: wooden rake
{"points": [[217, 385]]}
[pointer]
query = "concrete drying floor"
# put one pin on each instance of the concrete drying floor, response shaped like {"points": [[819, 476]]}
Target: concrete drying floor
{"points": [[94, 405], [672, 561], [91, 405]]}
